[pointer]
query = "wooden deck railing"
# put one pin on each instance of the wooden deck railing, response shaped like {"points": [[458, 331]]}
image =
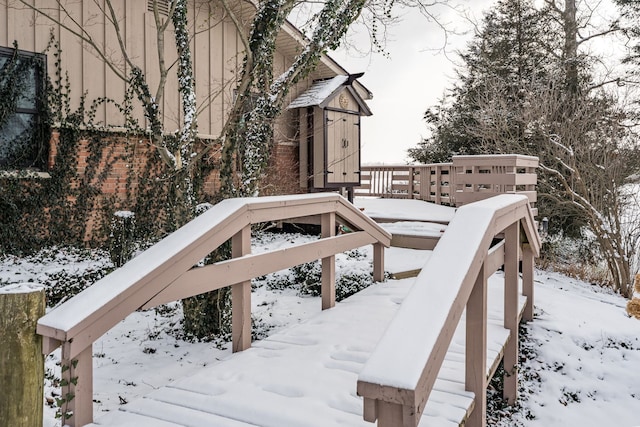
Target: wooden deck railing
{"points": [[165, 273], [466, 179], [399, 376]]}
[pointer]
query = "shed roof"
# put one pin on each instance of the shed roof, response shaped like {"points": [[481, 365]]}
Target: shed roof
{"points": [[323, 91]]}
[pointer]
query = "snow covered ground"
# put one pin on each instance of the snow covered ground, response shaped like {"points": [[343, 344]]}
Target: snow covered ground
{"points": [[582, 364]]}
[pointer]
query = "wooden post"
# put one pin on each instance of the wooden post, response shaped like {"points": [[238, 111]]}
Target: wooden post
{"points": [[411, 182], [423, 172], [438, 185], [369, 410], [241, 296], [77, 386], [21, 358], [476, 350], [389, 414], [328, 289], [527, 281], [511, 259], [378, 262]]}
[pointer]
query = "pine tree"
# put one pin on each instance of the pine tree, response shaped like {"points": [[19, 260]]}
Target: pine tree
{"points": [[511, 53], [630, 14], [528, 88]]}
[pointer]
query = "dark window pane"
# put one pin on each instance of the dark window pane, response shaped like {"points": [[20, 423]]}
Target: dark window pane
{"points": [[23, 134], [27, 99], [16, 139]]}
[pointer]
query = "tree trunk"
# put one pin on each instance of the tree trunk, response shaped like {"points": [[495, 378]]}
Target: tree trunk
{"points": [[571, 46], [21, 358]]}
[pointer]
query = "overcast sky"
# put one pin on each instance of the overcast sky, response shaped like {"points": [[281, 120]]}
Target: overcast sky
{"points": [[404, 85], [415, 76]]}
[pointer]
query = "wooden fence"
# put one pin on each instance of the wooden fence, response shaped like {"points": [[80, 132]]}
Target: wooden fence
{"points": [[466, 179], [398, 378], [165, 273]]}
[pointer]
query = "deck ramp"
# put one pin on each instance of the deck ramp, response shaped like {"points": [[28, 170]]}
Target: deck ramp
{"points": [[306, 375]]}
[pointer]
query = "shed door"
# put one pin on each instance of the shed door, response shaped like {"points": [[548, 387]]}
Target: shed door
{"points": [[343, 148]]}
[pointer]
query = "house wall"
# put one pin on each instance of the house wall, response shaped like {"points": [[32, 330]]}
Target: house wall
{"points": [[217, 56], [215, 48]]}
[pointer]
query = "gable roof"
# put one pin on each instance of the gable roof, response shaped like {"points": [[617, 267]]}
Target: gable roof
{"points": [[323, 91], [289, 41], [319, 92]]}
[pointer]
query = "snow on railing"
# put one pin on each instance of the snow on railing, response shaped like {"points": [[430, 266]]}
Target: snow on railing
{"points": [[165, 273], [398, 377], [466, 179]]}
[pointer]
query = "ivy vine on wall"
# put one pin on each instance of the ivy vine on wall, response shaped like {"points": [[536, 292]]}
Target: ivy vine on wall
{"points": [[70, 207]]}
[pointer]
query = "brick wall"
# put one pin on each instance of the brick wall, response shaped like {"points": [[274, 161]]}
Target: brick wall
{"points": [[118, 155], [283, 173], [121, 155]]}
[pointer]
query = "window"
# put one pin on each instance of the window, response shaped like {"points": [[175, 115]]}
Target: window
{"points": [[23, 133]]}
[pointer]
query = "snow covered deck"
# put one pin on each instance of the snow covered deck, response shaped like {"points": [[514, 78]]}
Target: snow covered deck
{"points": [[314, 373], [413, 223], [306, 375]]}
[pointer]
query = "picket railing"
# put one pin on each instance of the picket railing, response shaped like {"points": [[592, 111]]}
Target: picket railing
{"points": [[398, 378], [166, 272], [466, 179]]}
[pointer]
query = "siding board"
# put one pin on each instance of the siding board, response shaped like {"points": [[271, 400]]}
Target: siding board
{"points": [[72, 53], [216, 46], [201, 64], [93, 73], [230, 64], [150, 47], [115, 87], [135, 25], [172, 108]]}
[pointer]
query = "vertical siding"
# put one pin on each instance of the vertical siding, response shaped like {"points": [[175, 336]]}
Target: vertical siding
{"points": [[114, 86], [318, 147], [135, 39], [93, 67], [4, 25], [216, 48], [72, 54], [200, 16], [230, 64], [20, 27], [150, 49], [172, 109], [215, 78]]}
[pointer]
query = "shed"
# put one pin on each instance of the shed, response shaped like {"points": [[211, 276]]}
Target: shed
{"points": [[329, 114]]}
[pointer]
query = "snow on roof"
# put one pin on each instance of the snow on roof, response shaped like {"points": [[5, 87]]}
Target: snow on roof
{"points": [[318, 92]]}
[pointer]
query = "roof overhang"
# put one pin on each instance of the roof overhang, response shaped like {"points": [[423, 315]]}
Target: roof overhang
{"points": [[291, 41], [321, 92]]}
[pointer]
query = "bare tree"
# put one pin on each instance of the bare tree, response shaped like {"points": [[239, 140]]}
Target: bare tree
{"points": [[248, 124], [586, 162]]}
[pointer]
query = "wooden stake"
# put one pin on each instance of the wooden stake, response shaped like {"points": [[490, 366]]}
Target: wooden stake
{"points": [[21, 358]]}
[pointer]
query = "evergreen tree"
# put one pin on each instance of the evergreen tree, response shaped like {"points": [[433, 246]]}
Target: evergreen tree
{"points": [[528, 88], [512, 52], [630, 14]]}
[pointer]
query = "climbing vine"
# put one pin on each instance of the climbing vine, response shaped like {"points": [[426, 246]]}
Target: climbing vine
{"points": [[261, 97], [69, 207]]}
